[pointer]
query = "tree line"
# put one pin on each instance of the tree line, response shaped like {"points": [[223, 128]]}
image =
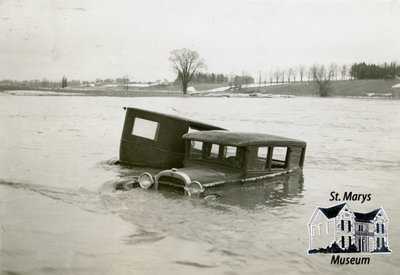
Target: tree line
{"points": [[44, 83], [335, 72], [301, 73], [209, 78], [373, 71], [233, 80], [200, 77]]}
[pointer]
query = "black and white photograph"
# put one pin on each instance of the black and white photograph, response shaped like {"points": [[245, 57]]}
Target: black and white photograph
{"points": [[199, 137]]}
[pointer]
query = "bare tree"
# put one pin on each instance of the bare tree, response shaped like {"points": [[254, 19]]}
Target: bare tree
{"points": [[277, 75], [289, 75], [186, 62], [332, 71], [283, 76], [344, 71], [335, 71], [237, 82], [231, 79], [313, 71], [64, 82], [44, 82], [271, 76], [125, 84], [245, 77], [294, 73], [302, 70], [321, 78]]}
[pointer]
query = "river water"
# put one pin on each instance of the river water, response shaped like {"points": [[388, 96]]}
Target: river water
{"points": [[60, 214]]}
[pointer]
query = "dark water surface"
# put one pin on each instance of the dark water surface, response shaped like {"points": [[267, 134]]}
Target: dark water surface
{"points": [[60, 215]]}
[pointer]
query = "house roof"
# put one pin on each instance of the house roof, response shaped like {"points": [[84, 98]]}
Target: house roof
{"points": [[333, 211], [242, 138], [366, 217]]}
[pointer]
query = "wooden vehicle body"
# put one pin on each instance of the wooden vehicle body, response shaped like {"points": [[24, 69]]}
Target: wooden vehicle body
{"points": [[152, 139]]}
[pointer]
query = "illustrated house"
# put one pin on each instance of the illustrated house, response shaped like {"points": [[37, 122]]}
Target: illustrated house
{"points": [[367, 231], [371, 230]]}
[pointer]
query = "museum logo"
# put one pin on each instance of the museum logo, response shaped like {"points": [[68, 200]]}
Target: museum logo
{"points": [[338, 229]]}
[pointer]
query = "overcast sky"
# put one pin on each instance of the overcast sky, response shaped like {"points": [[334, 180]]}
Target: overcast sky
{"points": [[85, 39]]}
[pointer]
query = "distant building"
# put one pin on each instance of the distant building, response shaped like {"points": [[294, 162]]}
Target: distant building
{"points": [[367, 231]]}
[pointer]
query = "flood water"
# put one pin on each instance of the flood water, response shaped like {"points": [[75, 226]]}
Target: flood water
{"points": [[60, 214]]}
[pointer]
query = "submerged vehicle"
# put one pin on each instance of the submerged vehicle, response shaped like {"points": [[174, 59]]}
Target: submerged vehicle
{"points": [[195, 156]]}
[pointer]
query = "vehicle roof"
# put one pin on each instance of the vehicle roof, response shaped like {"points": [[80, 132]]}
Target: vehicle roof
{"points": [[192, 122], [241, 139]]}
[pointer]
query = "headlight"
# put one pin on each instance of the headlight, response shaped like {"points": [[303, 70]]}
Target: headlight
{"points": [[146, 180], [195, 188]]}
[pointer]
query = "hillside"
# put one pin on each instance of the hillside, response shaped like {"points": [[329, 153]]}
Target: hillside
{"points": [[339, 88], [376, 88]]}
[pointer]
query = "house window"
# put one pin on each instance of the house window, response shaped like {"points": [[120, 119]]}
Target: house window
{"points": [[342, 225], [377, 242], [377, 228], [383, 242], [342, 241], [319, 228], [349, 240], [328, 227], [349, 225], [145, 128], [383, 229]]}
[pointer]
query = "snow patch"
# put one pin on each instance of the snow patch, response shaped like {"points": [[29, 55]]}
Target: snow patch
{"points": [[396, 86]]}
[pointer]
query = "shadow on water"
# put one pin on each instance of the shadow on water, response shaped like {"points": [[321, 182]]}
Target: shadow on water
{"points": [[273, 191]]}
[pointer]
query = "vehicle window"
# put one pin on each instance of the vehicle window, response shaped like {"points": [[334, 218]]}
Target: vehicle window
{"points": [[279, 153], [295, 156], [262, 152], [279, 157], [196, 148], [257, 158], [233, 156], [227, 155], [145, 128], [230, 151], [214, 151], [198, 145]]}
